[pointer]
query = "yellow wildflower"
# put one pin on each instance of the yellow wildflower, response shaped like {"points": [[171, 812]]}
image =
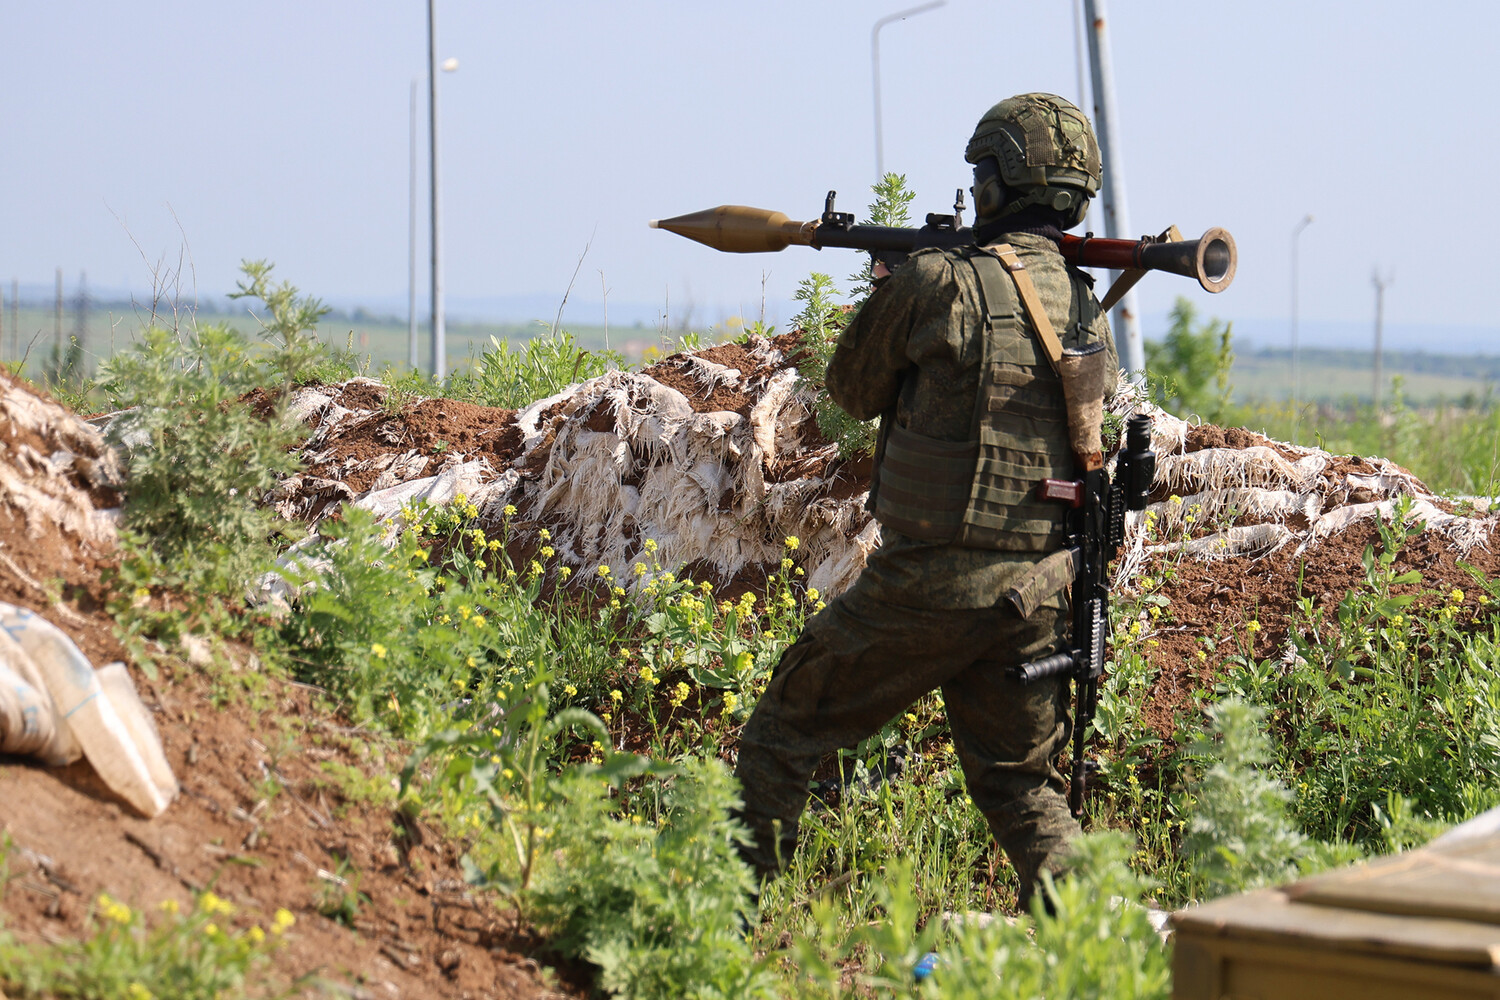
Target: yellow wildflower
{"points": [[616, 696], [138, 991], [1455, 596], [510, 510], [548, 552], [256, 935], [544, 535], [651, 545], [210, 903], [376, 650], [169, 906], [792, 542], [604, 570], [112, 909], [282, 921], [570, 690]]}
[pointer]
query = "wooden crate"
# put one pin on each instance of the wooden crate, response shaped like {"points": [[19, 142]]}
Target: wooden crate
{"points": [[1424, 924]]}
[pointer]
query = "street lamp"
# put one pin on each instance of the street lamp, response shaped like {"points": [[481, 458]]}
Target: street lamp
{"points": [[439, 333], [1296, 238], [875, 69]]}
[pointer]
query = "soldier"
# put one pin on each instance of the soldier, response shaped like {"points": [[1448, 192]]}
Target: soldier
{"points": [[948, 351]]}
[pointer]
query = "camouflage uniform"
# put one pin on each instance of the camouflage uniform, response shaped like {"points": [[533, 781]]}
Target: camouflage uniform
{"points": [[924, 614]]}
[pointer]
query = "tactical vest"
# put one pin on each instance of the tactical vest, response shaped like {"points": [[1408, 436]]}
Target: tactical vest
{"points": [[981, 493]]}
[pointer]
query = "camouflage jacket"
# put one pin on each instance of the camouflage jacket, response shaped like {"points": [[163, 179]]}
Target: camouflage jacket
{"points": [[928, 317]]}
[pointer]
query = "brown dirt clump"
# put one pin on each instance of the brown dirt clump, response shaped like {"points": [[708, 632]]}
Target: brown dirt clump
{"points": [[441, 429]]}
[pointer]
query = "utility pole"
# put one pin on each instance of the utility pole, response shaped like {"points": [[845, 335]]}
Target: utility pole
{"points": [[439, 334], [1116, 214], [57, 312], [1381, 284], [411, 240], [81, 316], [1296, 240]]}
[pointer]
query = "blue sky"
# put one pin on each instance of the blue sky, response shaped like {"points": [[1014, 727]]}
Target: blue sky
{"points": [[136, 132]]}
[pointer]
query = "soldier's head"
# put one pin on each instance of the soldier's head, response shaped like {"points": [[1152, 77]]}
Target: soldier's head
{"points": [[1035, 160]]}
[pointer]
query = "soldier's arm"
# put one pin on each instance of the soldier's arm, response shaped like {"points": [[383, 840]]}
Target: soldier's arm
{"points": [[864, 374]]}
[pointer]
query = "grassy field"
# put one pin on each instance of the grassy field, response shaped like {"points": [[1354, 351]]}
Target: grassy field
{"points": [[113, 327], [1344, 377]]}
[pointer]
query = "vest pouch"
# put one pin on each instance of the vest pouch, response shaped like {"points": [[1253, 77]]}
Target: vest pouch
{"points": [[924, 484]]}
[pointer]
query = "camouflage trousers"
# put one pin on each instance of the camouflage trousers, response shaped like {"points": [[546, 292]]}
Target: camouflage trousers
{"points": [[862, 661]]}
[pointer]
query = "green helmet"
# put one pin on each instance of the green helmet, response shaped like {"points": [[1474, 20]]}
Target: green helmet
{"points": [[1044, 152]]}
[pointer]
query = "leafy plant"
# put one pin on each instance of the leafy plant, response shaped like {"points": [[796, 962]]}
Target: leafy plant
{"points": [[512, 377], [1240, 835], [198, 460]]}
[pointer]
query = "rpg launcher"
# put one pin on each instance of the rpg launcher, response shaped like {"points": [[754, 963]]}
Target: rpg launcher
{"points": [[1096, 530], [741, 229]]}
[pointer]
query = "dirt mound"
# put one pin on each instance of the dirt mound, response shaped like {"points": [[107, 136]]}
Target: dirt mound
{"points": [[59, 505], [270, 816], [271, 812], [714, 455]]}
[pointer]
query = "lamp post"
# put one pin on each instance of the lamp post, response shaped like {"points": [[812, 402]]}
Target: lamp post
{"points": [[1296, 240], [439, 333], [875, 69], [411, 239]]}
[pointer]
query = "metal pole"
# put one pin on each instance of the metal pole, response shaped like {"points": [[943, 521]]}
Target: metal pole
{"points": [[1380, 286], [1079, 59], [875, 69], [439, 338], [1116, 214], [1296, 237], [411, 241]]}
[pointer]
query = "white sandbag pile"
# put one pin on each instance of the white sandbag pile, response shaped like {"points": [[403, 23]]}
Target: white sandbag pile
{"points": [[630, 456], [56, 707], [1252, 500]]}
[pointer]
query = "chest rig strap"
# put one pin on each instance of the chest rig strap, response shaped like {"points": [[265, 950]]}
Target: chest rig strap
{"points": [[1030, 301]]}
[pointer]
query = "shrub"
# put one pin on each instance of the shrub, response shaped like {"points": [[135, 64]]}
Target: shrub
{"points": [[198, 460]]}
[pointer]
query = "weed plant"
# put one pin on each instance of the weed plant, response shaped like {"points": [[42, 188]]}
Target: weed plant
{"points": [[183, 955], [513, 377]]}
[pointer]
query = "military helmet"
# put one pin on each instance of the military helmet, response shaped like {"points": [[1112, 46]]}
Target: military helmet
{"points": [[1044, 152]]}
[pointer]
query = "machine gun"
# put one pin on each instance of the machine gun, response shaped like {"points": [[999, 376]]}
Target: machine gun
{"points": [[1096, 530], [741, 229]]}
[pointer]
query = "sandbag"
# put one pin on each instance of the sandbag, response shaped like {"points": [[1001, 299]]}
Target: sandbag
{"points": [[108, 723]]}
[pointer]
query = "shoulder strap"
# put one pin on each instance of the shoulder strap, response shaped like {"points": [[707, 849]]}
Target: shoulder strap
{"points": [[1029, 300]]}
